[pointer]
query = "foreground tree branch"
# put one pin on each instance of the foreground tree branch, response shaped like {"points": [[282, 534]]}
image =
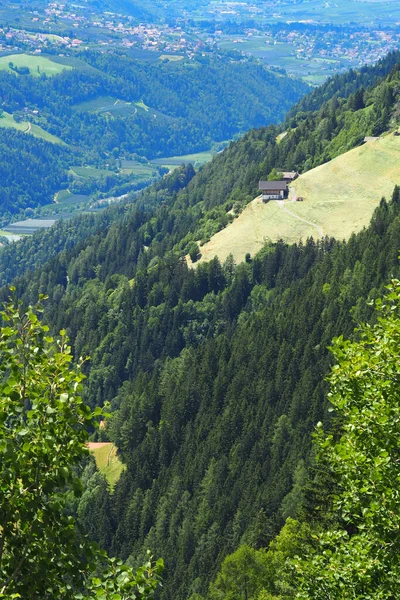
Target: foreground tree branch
{"points": [[43, 431]]}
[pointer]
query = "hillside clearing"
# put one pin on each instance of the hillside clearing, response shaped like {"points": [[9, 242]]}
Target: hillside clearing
{"points": [[107, 461], [339, 199], [197, 159], [256, 225], [7, 120], [341, 195], [37, 65]]}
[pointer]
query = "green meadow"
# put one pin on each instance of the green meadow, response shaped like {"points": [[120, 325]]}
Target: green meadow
{"points": [[107, 461], [197, 160], [339, 198], [7, 120], [37, 64]]}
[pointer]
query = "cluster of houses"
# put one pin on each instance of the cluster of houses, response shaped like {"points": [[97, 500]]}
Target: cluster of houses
{"points": [[277, 190]]}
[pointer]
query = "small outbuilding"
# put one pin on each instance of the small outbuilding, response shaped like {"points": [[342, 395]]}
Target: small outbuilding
{"points": [[273, 190], [289, 175]]}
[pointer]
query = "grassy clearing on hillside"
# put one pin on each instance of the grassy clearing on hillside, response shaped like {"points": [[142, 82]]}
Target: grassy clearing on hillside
{"points": [[198, 159], [107, 461], [341, 195], [108, 104], [136, 168], [38, 65], [45, 135], [7, 120], [339, 199], [257, 224]]}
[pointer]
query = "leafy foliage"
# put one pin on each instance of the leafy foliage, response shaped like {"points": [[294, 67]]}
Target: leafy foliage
{"points": [[43, 429], [360, 558]]}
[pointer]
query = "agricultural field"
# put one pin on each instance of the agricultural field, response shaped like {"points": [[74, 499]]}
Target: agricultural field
{"points": [[7, 120], [65, 198], [29, 226], [134, 167], [339, 199], [107, 104], [90, 172], [107, 461], [198, 160], [37, 65], [340, 12], [312, 70]]}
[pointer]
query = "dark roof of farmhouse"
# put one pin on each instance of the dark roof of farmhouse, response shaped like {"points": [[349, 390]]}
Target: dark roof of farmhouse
{"points": [[272, 185]]}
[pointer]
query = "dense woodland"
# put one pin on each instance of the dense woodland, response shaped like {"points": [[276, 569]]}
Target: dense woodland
{"points": [[345, 84], [31, 171], [216, 458], [216, 376]]}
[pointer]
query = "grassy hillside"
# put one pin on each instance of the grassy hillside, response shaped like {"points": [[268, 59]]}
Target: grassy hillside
{"points": [[341, 195], [37, 65], [339, 199], [197, 159], [107, 461], [258, 224], [7, 120]]}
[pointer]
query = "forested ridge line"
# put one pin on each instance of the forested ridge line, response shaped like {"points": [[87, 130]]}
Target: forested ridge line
{"points": [[183, 123], [344, 84], [152, 111]]}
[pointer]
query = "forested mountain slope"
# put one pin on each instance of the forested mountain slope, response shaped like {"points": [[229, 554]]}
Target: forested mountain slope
{"points": [[31, 170], [215, 375], [216, 381], [345, 84]]}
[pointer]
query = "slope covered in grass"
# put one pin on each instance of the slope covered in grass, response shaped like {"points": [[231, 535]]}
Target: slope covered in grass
{"points": [[37, 65], [107, 461], [339, 199], [341, 195]]}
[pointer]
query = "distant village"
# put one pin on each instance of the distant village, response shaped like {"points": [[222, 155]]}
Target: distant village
{"points": [[69, 26]]}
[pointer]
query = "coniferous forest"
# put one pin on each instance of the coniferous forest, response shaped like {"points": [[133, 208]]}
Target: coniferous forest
{"points": [[216, 377]]}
